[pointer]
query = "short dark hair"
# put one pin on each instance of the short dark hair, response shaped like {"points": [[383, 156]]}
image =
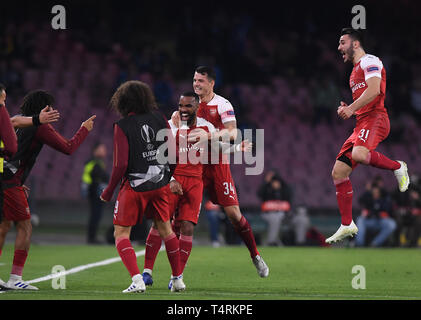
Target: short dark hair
{"points": [[35, 101], [207, 71], [191, 94], [354, 35], [133, 96], [2, 87]]}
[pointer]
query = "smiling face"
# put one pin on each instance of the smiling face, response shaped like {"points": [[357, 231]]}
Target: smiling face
{"points": [[202, 85], [187, 106], [346, 48]]}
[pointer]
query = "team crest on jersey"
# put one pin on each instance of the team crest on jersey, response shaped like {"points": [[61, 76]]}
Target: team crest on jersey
{"points": [[213, 111]]}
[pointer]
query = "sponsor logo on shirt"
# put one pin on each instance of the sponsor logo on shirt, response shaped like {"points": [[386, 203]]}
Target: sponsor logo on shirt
{"points": [[358, 86]]}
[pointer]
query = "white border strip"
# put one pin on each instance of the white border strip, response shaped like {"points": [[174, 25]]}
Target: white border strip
{"points": [[84, 267]]}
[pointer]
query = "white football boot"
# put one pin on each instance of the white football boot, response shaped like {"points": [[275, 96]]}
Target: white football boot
{"points": [[402, 176], [261, 266], [137, 285], [177, 284], [343, 232], [19, 284]]}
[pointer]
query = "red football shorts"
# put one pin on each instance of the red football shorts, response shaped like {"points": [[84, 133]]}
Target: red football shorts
{"points": [[15, 204], [217, 180], [186, 207], [369, 132], [131, 205]]}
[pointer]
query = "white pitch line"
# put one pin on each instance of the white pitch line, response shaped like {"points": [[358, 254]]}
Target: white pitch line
{"points": [[84, 267]]}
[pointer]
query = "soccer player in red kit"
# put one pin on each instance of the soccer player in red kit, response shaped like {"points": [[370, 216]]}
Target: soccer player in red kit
{"points": [[144, 180], [186, 185], [17, 168], [8, 141], [217, 178], [187, 182], [368, 86]]}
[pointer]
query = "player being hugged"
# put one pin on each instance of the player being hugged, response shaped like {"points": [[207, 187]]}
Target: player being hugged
{"points": [[368, 86], [145, 181], [217, 177], [187, 183]]}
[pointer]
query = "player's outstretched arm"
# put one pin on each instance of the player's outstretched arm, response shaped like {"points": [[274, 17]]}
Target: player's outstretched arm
{"points": [[229, 133], [47, 115], [49, 136], [244, 146]]}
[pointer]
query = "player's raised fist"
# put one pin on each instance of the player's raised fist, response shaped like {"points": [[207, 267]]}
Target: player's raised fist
{"points": [[89, 124]]}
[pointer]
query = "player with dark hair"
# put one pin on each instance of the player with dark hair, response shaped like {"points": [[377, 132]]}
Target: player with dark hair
{"points": [[8, 139], [217, 178], [187, 182], [186, 186], [16, 170], [368, 86], [145, 186]]}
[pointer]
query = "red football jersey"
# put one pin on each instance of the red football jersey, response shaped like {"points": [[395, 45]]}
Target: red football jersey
{"points": [[368, 66], [185, 166], [217, 111]]}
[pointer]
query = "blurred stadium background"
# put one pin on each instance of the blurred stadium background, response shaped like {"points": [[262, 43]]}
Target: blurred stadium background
{"points": [[278, 66]]}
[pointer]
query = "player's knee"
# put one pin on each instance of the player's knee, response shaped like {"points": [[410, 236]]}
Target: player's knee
{"points": [[233, 213], [5, 227], [337, 174], [187, 228], [359, 156]]}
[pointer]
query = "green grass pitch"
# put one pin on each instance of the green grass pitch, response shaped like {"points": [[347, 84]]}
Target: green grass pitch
{"points": [[227, 273]]}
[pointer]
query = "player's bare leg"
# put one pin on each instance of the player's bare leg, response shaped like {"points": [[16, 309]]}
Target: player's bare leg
{"points": [[128, 256], [242, 227], [22, 244], [340, 175], [5, 226], [172, 246]]}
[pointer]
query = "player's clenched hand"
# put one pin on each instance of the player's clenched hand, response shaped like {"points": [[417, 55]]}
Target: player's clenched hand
{"points": [[102, 199], [344, 111], [48, 115], [175, 117], [176, 188], [246, 146], [89, 124]]}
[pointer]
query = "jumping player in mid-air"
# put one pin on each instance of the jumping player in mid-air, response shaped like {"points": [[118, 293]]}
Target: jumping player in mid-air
{"points": [[368, 86]]}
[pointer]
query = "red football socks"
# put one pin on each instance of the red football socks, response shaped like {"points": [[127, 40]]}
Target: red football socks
{"points": [[153, 244], [344, 196], [186, 243], [127, 255], [19, 260], [378, 160], [172, 247], [244, 230]]}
